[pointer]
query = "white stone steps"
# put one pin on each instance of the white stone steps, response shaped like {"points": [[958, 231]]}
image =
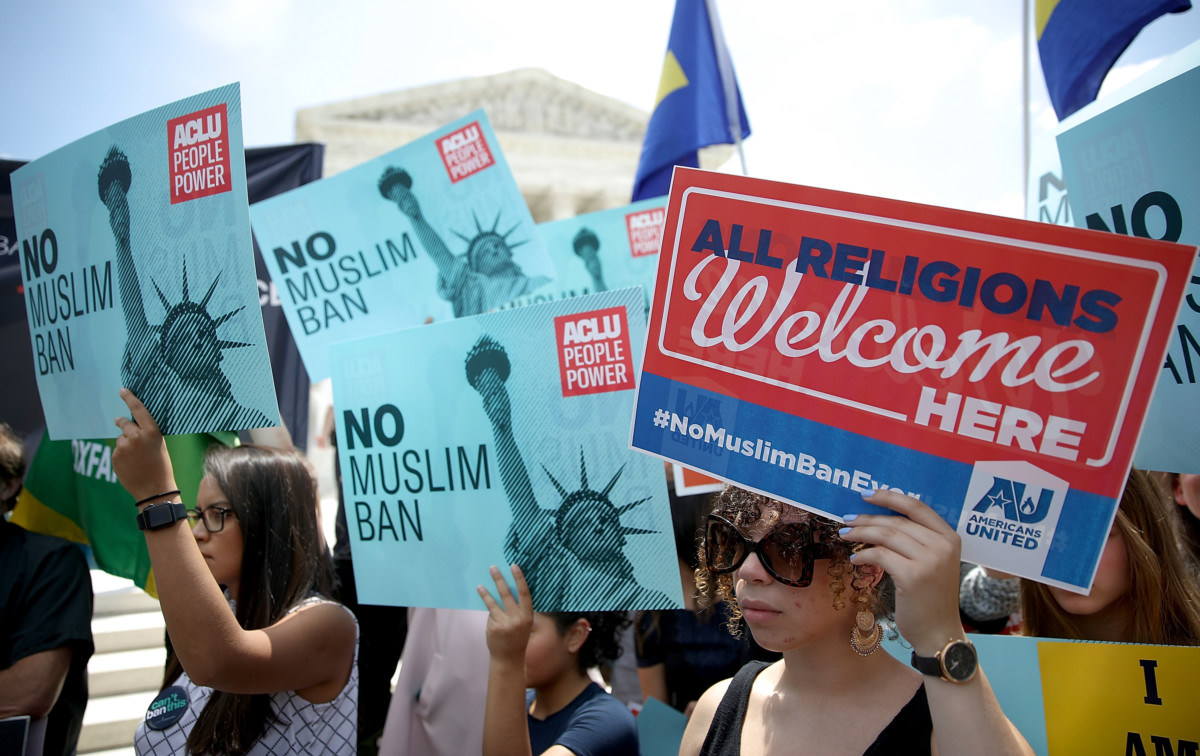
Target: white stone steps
{"points": [[110, 721], [130, 671], [123, 632], [126, 670]]}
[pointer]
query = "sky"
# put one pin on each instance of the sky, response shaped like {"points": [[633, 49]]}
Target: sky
{"points": [[918, 100]]}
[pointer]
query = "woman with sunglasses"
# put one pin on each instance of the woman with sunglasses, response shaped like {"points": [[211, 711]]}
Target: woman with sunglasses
{"points": [[261, 662], [814, 591]]}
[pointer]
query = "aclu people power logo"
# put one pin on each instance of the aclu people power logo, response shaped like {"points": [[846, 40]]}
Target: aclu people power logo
{"points": [[645, 231], [594, 353], [1010, 514], [199, 154], [465, 152]]}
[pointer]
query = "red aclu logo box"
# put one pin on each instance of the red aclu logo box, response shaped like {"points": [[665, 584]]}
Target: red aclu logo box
{"points": [[199, 154], [594, 352], [465, 152], [645, 231], [962, 335]]}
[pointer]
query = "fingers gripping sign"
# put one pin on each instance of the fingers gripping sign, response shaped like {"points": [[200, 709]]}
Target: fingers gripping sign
{"points": [[510, 619], [140, 459], [921, 553]]}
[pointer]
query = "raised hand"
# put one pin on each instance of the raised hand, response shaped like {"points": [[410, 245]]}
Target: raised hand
{"points": [[510, 619], [140, 459], [921, 552]]}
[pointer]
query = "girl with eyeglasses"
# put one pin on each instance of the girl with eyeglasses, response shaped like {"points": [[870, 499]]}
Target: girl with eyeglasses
{"points": [[815, 591], [262, 662]]}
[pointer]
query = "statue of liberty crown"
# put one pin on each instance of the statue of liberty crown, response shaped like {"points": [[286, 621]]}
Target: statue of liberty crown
{"points": [[585, 494], [173, 320]]}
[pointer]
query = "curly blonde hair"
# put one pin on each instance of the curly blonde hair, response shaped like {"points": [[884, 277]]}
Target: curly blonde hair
{"points": [[756, 514]]}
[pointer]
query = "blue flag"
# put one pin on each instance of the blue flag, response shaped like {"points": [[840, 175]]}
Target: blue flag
{"points": [[695, 106], [1079, 40]]}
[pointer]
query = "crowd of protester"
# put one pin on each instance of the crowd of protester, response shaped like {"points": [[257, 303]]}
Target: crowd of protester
{"points": [[784, 611]]}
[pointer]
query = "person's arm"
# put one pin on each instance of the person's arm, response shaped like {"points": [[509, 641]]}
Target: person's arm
{"points": [[32, 684], [309, 650], [510, 621], [701, 719], [921, 553]]}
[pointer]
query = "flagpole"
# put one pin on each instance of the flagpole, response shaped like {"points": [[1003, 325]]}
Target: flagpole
{"points": [[1025, 128], [728, 85]]}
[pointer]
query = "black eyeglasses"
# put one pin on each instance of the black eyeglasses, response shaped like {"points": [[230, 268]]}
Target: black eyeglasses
{"points": [[213, 517], [787, 552]]}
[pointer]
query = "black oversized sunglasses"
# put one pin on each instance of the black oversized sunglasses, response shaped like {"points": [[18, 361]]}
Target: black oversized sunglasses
{"points": [[787, 552], [213, 517]]}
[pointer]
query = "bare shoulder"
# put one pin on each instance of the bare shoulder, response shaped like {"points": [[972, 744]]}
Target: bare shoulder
{"points": [[328, 622], [701, 719]]}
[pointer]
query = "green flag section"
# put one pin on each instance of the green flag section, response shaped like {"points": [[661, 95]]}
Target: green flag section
{"points": [[72, 492]]}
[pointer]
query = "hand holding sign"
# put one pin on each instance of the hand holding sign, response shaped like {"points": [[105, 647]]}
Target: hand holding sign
{"points": [[140, 460], [921, 553]]}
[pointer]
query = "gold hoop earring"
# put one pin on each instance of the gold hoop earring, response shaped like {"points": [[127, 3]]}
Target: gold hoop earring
{"points": [[866, 634]]}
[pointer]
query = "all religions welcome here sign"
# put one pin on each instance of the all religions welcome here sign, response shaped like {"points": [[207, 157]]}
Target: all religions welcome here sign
{"points": [[814, 345]]}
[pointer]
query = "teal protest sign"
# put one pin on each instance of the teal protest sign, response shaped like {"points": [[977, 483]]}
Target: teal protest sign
{"points": [[504, 438], [138, 271], [603, 251], [435, 229], [1131, 164]]}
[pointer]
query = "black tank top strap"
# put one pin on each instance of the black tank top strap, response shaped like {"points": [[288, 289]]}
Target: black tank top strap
{"points": [[725, 732], [910, 733]]}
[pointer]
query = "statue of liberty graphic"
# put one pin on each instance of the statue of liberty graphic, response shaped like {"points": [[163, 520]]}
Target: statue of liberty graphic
{"points": [[476, 282], [572, 554], [587, 249], [175, 367]]}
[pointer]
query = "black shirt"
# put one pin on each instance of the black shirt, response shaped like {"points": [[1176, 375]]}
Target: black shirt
{"points": [[46, 603], [909, 732]]}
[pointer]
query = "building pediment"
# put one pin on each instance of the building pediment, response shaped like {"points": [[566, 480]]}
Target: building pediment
{"points": [[526, 101]]}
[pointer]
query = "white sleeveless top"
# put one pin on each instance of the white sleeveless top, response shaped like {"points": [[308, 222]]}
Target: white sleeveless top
{"points": [[300, 726]]}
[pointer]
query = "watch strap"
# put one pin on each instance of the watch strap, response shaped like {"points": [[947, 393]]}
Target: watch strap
{"points": [[161, 515], [927, 665]]}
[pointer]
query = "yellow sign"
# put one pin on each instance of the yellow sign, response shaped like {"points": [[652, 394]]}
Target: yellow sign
{"points": [[1121, 699]]}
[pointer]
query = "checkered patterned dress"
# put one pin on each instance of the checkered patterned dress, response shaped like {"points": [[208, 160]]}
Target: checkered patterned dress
{"points": [[300, 727]]}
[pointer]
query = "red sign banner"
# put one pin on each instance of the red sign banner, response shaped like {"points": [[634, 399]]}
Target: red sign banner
{"points": [[958, 356]]}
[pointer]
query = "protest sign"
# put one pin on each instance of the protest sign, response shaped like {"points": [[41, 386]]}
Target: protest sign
{"points": [[814, 345], [602, 251], [138, 270], [660, 728], [501, 439], [689, 482], [1130, 165], [1115, 698], [1068, 697], [435, 229]]}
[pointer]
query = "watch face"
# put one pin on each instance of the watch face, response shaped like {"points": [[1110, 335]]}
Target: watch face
{"points": [[959, 661]]}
